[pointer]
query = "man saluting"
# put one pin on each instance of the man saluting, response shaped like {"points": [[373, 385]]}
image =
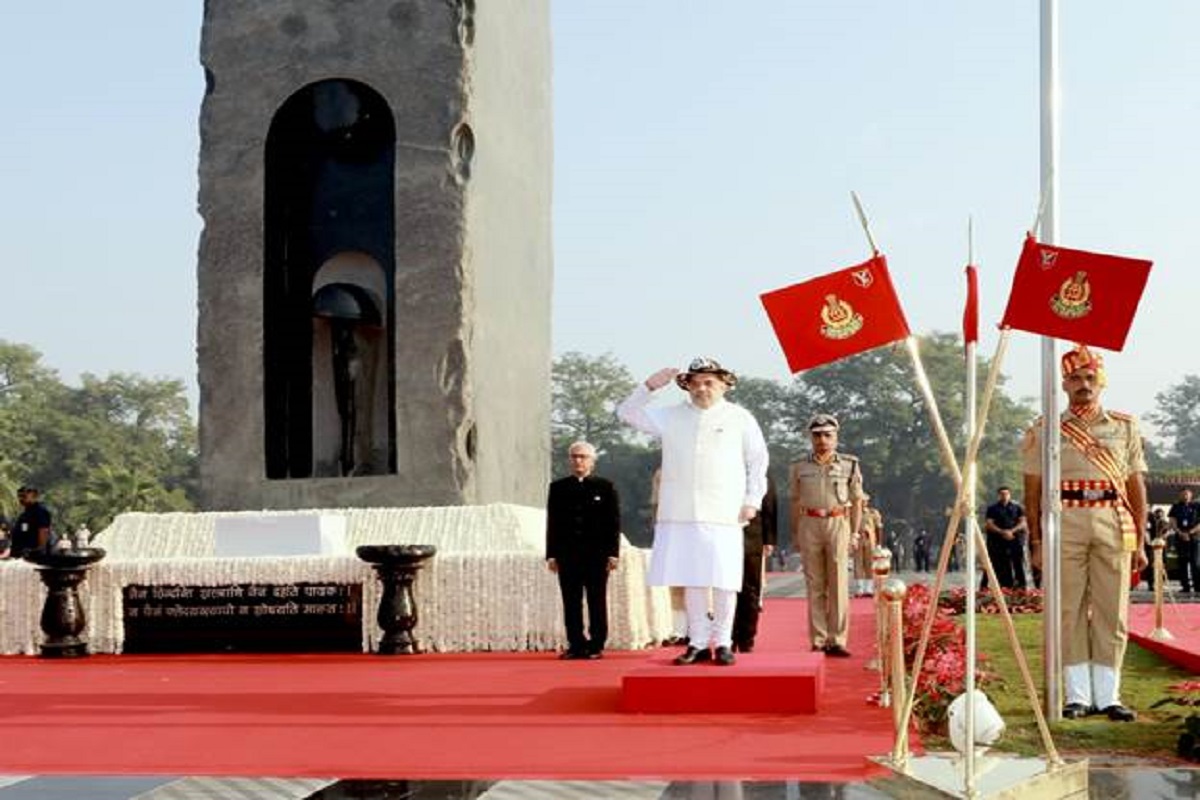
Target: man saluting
{"points": [[714, 476]]}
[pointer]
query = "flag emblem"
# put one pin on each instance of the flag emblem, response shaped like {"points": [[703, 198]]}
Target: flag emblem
{"points": [[841, 321], [1049, 258], [863, 278], [1074, 297]]}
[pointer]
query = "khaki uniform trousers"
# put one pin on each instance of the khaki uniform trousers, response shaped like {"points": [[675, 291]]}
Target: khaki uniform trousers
{"points": [[864, 554], [825, 548], [1095, 579]]}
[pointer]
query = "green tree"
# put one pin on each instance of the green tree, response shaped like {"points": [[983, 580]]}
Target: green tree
{"points": [[1177, 415], [885, 422], [111, 444], [585, 391]]}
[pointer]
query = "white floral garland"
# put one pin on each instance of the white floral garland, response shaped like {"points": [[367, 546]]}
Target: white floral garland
{"points": [[486, 589]]}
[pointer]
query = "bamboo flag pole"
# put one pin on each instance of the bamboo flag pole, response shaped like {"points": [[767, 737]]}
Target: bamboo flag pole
{"points": [[900, 752]]}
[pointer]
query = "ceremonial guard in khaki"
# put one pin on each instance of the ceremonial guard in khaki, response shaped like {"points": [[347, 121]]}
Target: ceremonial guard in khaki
{"points": [[862, 546], [1103, 508], [826, 505], [714, 476]]}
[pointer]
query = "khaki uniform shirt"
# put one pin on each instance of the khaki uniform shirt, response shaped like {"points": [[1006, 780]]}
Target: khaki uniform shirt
{"points": [[825, 486], [1119, 433]]}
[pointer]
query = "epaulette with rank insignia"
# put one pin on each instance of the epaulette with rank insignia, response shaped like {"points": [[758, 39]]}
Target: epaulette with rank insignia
{"points": [[1124, 416]]}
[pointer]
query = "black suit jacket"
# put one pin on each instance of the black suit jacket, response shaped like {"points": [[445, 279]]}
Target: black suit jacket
{"points": [[762, 529], [583, 519]]}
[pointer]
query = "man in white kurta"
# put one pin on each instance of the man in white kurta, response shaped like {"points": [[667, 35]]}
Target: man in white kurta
{"points": [[714, 476]]}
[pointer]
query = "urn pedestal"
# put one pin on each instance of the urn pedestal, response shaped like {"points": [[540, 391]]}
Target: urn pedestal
{"points": [[397, 566], [63, 618]]}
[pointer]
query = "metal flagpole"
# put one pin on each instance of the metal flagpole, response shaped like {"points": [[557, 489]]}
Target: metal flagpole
{"points": [[1050, 500], [969, 478]]}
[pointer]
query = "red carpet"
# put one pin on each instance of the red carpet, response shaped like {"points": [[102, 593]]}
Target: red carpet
{"points": [[438, 716], [1182, 621]]}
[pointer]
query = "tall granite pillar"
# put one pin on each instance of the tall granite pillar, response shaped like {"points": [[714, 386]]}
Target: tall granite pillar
{"points": [[375, 266]]}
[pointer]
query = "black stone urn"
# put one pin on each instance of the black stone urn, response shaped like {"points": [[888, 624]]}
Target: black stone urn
{"points": [[63, 618], [397, 566]]}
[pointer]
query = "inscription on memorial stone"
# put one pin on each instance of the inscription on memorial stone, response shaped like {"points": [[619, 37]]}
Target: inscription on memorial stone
{"points": [[243, 617]]}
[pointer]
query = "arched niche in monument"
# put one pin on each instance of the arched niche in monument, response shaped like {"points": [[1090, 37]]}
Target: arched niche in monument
{"points": [[328, 278]]}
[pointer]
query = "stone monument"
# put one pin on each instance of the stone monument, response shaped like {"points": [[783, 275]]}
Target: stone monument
{"points": [[375, 266]]}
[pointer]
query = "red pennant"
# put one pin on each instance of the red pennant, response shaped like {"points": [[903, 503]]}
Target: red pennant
{"points": [[1075, 295], [836, 315], [971, 310]]}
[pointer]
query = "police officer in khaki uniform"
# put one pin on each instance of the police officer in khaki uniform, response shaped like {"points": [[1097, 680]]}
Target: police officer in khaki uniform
{"points": [[1104, 504], [826, 506]]}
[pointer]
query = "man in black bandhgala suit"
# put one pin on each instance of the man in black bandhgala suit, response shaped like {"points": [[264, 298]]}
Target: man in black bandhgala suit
{"points": [[583, 528]]}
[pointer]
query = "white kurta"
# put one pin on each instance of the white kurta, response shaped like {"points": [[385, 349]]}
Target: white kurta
{"points": [[714, 461]]}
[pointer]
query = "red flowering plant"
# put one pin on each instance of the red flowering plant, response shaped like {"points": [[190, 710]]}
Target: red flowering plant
{"points": [[1186, 694], [943, 671]]}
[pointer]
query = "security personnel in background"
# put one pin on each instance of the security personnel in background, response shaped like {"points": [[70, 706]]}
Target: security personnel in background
{"points": [[31, 531], [1185, 522], [826, 507], [1102, 534], [759, 537]]}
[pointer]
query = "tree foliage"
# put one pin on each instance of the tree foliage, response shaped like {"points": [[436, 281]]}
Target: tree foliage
{"points": [[584, 396], [1177, 415], [112, 444], [883, 415]]}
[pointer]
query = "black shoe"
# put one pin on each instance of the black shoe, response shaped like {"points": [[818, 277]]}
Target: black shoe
{"points": [[571, 655], [693, 655], [837, 651], [676, 641], [592, 655], [1119, 713], [724, 657], [818, 648], [1076, 711]]}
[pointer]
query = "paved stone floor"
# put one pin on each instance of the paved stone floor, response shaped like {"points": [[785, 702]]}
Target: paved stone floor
{"points": [[1140, 782]]}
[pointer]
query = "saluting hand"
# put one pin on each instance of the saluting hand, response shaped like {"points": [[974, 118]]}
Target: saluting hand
{"points": [[661, 378]]}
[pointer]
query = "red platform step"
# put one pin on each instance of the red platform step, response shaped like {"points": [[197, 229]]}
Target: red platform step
{"points": [[759, 682]]}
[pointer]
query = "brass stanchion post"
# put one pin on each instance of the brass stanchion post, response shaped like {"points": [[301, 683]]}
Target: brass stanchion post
{"points": [[1159, 633], [881, 567], [893, 591]]}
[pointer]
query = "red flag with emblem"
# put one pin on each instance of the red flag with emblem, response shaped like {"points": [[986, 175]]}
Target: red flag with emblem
{"points": [[836, 315], [1075, 295]]}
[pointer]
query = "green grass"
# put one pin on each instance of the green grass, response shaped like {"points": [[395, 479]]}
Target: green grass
{"points": [[1145, 679]]}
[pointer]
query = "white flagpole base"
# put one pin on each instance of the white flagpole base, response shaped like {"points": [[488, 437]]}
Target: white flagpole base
{"points": [[997, 777], [1161, 635]]}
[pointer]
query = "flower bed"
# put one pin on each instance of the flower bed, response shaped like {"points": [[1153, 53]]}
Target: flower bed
{"points": [[1186, 695], [1019, 601], [944, 669]]}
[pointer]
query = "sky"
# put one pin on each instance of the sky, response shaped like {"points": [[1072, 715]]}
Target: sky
{"points": [[704, 153]]}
